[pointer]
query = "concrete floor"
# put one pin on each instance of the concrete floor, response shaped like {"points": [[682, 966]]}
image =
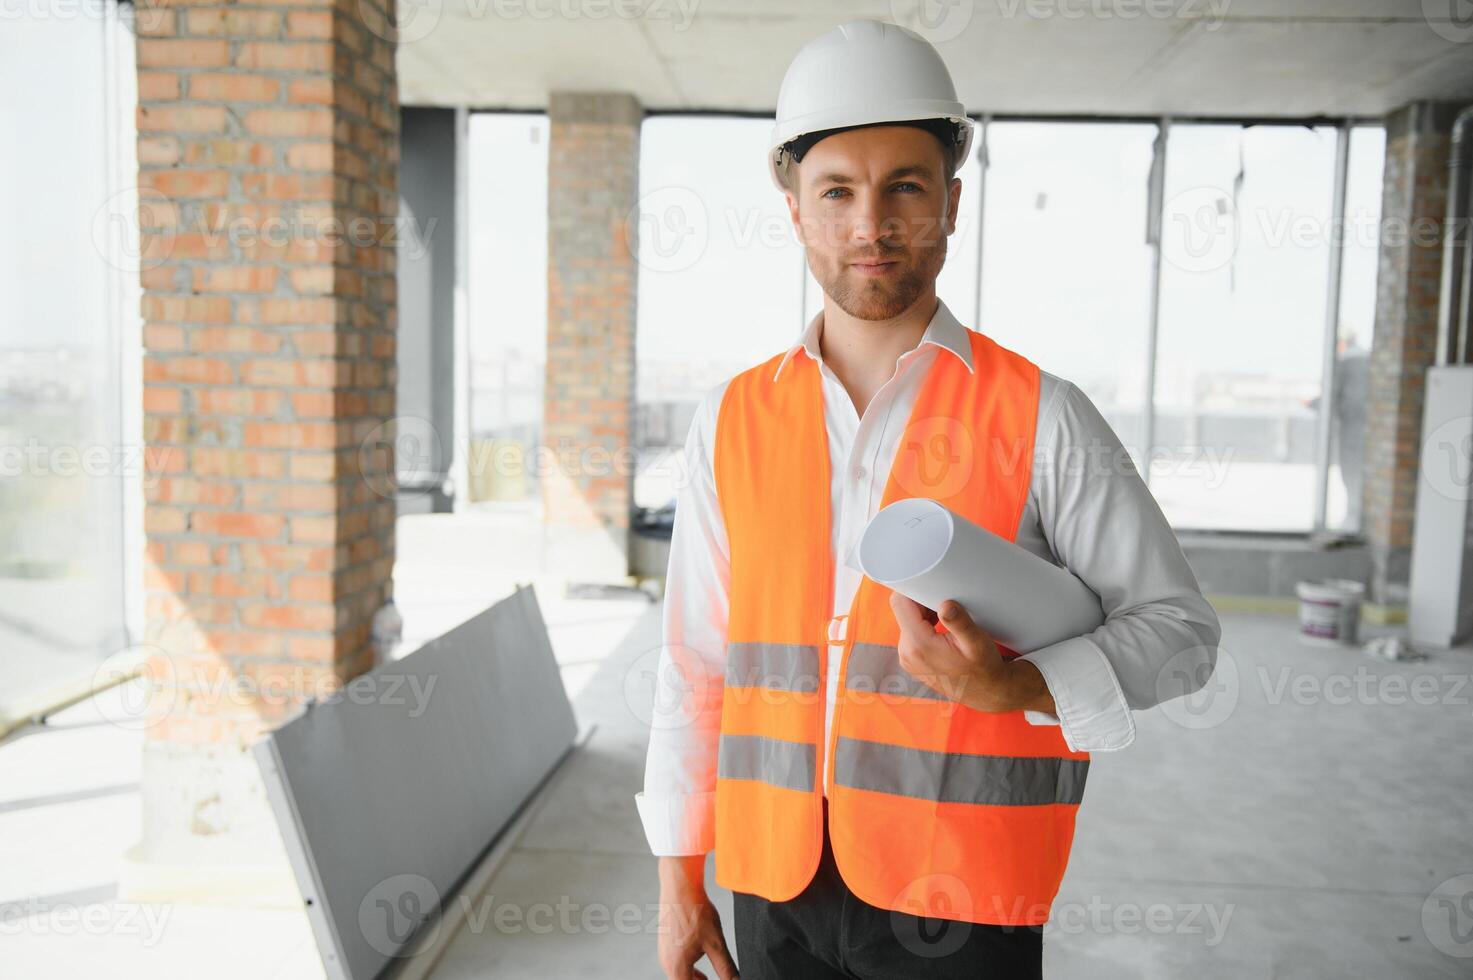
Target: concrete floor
{"points": [[1291, 821], [1294, 823]]}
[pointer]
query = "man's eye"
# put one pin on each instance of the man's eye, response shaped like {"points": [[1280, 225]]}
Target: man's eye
{"points": [[909, 184], [832, 190]]}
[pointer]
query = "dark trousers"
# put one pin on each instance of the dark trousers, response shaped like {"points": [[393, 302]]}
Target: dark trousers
{"points": [[826, 932]]}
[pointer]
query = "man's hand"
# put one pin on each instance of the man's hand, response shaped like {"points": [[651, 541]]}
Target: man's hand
{"points": [[689, 924], [964, 663]]}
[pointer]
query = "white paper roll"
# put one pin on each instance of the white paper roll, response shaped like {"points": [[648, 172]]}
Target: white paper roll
{"points": [[922, 550]]}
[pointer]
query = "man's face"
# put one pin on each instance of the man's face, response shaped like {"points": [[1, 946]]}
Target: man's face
{"points": [[874, 209]]}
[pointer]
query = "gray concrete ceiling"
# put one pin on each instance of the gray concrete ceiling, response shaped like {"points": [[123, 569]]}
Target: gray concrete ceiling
{"points": [[1290, 58]]}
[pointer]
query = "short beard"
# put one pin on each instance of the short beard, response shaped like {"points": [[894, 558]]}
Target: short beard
{"points": [[879, 299]]}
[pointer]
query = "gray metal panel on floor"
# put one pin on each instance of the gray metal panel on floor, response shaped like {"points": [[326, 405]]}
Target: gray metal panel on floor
{"points": [[389, 792]]}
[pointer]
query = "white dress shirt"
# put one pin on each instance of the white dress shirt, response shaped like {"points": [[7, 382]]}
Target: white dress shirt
{"points": [[1088, 510]]}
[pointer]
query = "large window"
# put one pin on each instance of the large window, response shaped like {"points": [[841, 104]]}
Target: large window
{"points": [[720, 277], [1183, 283], [1245, 249], [71, 465], [506, 163], [1346, 408], [1066, 263]]}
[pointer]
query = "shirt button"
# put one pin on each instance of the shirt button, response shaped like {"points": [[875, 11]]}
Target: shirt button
{"points": [[859, 472]]}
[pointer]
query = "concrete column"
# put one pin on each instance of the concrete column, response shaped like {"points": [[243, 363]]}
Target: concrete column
{"points": [[426, 389], [268, 158], [588, 409], [1413, 208]]}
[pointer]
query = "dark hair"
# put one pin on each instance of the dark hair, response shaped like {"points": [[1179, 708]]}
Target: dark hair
{"points": [[945, 131]]}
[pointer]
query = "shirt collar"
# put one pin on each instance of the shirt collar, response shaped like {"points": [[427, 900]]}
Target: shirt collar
{"points": [[944, 330]]}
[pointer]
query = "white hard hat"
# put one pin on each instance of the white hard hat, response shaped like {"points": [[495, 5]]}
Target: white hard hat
{"points": [[861, 73]]}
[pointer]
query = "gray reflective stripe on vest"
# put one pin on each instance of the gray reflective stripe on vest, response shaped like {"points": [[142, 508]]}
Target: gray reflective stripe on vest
{"points": [[792, 765], [875, 669], [781, 666], [950, 777]]}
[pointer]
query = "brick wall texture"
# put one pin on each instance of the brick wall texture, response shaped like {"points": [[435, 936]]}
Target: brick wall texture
{"points": [[593, 186], [1413, 208], [268, 155]]}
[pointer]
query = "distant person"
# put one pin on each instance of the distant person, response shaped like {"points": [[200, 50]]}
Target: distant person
{"points": [[1349, 392], [914, 818]]}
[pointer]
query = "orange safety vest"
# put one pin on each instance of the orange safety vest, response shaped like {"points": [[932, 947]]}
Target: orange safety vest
{"points": [[935, 808]]}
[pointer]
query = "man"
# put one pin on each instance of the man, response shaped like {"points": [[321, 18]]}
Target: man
{"points": [[1350, 390], [896, 796]]}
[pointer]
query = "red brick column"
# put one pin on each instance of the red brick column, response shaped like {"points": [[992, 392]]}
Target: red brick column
{"points": [[588, 409], [1408, 283], [268, 149]]}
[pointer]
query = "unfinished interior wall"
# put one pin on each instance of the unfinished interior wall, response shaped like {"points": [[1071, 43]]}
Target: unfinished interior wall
{"points": [[268, 149], [1413, 207], [588, 413]]}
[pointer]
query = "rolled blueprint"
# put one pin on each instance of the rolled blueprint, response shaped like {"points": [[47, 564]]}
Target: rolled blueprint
{"points": [[922, 550]]}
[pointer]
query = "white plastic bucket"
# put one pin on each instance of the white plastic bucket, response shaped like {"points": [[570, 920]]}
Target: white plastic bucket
{"points": [[1329, 611]]}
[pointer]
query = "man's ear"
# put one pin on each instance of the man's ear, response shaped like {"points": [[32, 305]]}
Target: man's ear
{"points": [[791, 197], [953, 203]]}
